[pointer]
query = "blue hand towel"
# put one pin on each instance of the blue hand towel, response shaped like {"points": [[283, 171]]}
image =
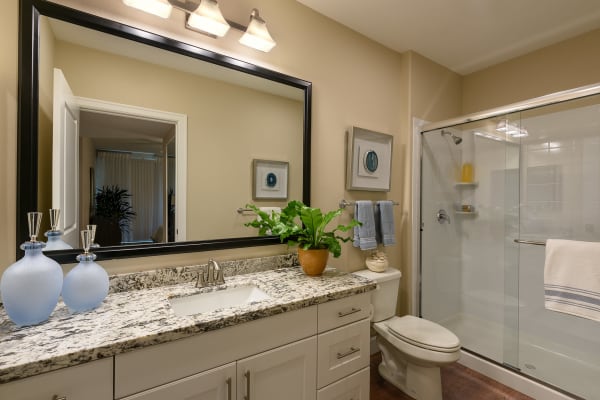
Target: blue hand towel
{"points": [[364, 235], [386, 222]]}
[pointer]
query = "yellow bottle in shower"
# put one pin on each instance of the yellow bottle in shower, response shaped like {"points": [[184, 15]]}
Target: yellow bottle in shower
{"points": [[467, 174]]}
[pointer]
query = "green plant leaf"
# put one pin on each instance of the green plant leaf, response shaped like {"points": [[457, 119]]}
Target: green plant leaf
{"points": [[302, 225]]}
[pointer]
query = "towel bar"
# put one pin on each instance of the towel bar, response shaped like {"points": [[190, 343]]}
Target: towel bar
{"points": [[346, 203]]}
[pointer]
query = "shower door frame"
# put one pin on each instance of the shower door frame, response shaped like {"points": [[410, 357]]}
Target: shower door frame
{"points": [[420, 127]]}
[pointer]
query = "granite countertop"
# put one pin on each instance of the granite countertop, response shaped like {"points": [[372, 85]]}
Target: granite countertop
{"points": [[138, 318]]}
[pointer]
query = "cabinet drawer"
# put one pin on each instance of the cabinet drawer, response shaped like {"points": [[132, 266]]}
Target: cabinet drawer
{"points": [[91, 381], [343, 311], [353, 387], [215, 384], [342, 351]]}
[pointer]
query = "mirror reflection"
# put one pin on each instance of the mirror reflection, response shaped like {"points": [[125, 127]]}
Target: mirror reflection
{"points": [[152, 146]]}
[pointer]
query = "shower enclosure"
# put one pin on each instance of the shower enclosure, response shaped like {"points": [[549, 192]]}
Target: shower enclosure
{"points": [[519, 176]]}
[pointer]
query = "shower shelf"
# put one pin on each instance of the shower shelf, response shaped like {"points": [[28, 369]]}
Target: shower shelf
{"points": [[465, 213], [466, 184]]}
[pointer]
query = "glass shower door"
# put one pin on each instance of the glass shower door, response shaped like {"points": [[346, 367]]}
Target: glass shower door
{"points": [[560, 199], [469, 262]]}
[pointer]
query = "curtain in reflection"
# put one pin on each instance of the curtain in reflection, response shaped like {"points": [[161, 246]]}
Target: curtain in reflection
{"points": [[141, 174]]}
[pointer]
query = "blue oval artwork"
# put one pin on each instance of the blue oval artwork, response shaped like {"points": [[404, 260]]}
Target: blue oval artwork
{"points": [[371, 161], [271, 180]]}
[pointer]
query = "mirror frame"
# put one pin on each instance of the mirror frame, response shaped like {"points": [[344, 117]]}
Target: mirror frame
{"points": [[27, 136]]}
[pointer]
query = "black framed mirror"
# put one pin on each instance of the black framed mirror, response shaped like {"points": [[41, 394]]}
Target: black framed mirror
{"points": [[29, 190]]}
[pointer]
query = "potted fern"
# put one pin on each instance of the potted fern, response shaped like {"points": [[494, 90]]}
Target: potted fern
{"points": [[299, 224]]}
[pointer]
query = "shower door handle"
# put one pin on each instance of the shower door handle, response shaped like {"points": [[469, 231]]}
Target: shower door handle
{"points": [[442, 216]]}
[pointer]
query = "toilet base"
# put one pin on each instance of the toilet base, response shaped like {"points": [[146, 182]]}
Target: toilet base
{"points": [[421, 383]]}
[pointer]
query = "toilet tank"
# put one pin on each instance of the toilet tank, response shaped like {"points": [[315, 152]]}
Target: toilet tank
{"points": [[384, 298]]}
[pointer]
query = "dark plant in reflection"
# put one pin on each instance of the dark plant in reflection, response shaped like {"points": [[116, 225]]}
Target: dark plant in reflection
{"points": [[112, 209]]}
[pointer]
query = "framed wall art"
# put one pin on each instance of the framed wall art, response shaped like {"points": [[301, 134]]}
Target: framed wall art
{"points": [[270, 180], [369, 160]]}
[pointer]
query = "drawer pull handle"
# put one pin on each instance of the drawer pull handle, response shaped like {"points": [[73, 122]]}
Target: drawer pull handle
{"points": [[352, 311], [346, 354], [247, 375], [55, 397], [228, 383]]}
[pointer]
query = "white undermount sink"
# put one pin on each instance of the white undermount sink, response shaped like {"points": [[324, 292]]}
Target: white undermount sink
{"points": [[210, 301]]}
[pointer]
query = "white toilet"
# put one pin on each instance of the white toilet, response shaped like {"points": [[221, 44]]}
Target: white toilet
{"points": [[412, 348]]}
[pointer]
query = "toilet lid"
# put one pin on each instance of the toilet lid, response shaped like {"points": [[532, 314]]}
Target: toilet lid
{"points": [[423, 333]]}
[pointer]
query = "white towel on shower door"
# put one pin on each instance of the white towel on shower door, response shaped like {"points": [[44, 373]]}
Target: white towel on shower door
{"points": [[572, 278]]}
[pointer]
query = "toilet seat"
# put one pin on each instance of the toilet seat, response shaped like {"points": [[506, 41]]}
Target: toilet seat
{"points": [[423, 333]]}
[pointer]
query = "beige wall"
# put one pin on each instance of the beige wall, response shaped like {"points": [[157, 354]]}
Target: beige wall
{"points": [[435, 94], [9, 22], [228, 127], [565, 65]]}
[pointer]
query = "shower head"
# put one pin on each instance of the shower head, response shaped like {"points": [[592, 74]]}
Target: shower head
{"points": [[457, 139]]}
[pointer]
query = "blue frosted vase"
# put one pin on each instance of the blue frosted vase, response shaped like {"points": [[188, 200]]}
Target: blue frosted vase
{"points": [[86, 285], [31, 286], [55, 241]]}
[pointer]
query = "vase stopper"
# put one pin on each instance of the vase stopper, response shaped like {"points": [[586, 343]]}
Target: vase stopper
{"points": [[34, 219], [92, 229], [54, 216], [86, 241]]}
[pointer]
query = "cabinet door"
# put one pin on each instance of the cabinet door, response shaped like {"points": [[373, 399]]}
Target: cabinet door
{"points": [[91, 381], [215, 384], [288, 372]]}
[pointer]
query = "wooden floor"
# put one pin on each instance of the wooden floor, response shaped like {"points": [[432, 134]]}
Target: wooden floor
{"points": [[458, 383]]}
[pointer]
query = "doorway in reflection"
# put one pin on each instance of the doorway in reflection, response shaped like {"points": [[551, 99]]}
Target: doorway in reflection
{"points": [[130, 155]]}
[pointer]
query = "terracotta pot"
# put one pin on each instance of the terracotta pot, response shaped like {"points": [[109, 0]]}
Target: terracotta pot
{"points": [[313, 261]]}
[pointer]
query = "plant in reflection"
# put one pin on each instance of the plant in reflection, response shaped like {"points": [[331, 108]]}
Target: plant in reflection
{"points": [[112, 214]]}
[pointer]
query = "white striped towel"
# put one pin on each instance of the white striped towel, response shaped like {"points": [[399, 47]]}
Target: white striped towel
{"points": [[572, 278]]}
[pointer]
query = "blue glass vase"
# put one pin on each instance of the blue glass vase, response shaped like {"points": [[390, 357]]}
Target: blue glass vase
{"points": [[55, 241], [86, 285], [31, 286]]}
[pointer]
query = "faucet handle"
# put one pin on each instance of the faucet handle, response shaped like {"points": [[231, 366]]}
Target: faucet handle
{"points": [[202, 280], [220, 280]]}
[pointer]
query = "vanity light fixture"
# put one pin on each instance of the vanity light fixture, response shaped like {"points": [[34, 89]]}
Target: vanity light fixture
{"points": [[257, 35], [161, 8], [208, 19], [204, 16]]}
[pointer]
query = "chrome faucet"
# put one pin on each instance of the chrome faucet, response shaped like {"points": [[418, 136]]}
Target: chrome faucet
{"points": [[212, 276]]}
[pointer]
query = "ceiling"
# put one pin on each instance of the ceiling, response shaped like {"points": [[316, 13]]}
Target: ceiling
{"points": [[125, 133], [464, 35]]}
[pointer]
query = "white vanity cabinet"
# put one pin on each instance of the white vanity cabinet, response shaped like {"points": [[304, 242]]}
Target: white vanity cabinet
{"points": [[319, 352], [273, 345], [91, 381], [286, 372]]}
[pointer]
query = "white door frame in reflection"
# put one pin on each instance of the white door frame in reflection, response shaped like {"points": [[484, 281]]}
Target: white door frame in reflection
{"points": [[180, 123]]}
